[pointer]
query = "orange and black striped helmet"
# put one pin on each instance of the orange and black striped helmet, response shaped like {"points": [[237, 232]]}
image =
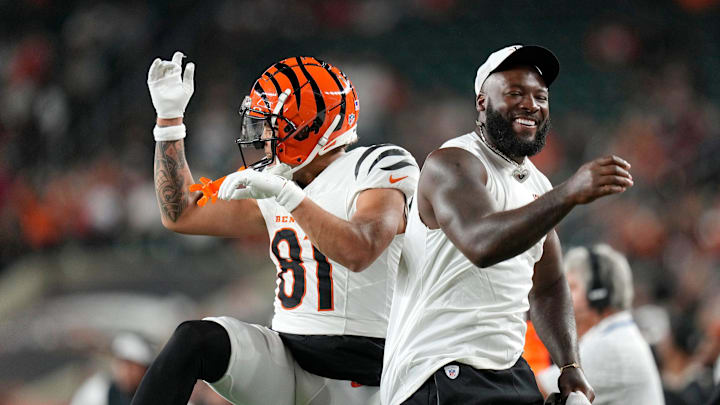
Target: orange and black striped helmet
{"points": [[310, 105]]}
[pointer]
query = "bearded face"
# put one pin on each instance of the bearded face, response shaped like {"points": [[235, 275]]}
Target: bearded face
{"points": [[502, 133]]}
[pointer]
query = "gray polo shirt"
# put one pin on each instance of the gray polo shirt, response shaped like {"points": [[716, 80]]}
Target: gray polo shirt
{"points": [[617, 362]]}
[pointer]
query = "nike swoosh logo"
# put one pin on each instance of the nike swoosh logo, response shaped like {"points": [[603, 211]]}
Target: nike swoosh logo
{"points": [[395, 180]]}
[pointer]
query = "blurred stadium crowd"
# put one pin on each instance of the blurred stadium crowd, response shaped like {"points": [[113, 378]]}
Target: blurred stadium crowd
{"points": [[77, 204]]}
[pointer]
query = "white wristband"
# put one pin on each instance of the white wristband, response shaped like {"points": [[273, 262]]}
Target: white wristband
{"points": [[172, 133], [290, 196]]}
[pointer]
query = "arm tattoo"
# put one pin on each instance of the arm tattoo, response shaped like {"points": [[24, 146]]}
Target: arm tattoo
{"points": [[170, 179]]}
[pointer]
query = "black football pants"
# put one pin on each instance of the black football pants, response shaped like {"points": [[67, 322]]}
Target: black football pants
{"points": [[514, 386]]}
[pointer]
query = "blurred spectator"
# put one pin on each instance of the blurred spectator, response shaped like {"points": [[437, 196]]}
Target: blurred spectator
{"points": [[686, 380], [131, 357], [715, 399], [616, 359]]}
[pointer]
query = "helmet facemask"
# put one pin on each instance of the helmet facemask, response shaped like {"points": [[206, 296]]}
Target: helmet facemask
{"points": [[254, 130], [257, 123]]}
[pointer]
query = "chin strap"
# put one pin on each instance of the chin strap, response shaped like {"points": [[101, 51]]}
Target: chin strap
{"points": [[348, 137], [321, 143]]}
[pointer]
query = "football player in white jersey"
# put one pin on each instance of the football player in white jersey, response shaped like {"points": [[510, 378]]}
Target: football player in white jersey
{"points": [[480, 251], [329, 214]]}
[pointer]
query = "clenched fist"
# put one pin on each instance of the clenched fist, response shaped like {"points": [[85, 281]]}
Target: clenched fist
{"points": [[600, 177]]}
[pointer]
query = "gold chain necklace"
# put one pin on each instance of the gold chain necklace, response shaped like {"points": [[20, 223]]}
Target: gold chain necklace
{"points": [[520, 173]]}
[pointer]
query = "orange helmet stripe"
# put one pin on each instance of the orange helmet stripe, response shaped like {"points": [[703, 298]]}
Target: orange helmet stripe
{"points": [[319, 101]]}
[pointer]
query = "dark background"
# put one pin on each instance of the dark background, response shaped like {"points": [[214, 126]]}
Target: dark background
{"points": [[82, 251]]}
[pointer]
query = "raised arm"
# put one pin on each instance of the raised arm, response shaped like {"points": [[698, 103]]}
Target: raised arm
{"points": [[552, 315], [453, 196], [178, 206], [170, 95]]}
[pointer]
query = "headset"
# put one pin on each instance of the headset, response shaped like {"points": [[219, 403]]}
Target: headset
{"points": [[601, 289]]}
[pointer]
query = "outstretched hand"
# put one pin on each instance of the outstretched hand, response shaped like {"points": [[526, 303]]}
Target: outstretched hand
{"points": [[598, 178]]}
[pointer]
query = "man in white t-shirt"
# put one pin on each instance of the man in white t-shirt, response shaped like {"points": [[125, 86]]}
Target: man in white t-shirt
{"points": [[480, 251], [616, 359]]}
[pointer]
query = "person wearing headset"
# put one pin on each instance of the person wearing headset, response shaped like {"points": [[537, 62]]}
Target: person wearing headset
{"points": [[616, 359]]}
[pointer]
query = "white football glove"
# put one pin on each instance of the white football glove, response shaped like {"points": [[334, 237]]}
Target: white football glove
{"points": [[170, 93], [258, 185], [279, 169]]}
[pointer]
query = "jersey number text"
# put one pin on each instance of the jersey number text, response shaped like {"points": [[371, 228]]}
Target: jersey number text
{"points": [[295, 265]]}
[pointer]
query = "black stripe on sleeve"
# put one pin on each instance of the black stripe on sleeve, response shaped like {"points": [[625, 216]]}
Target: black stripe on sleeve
{"points": [[319, 101], [398, 165], [287, 71], [387, 153], [365, 155]]}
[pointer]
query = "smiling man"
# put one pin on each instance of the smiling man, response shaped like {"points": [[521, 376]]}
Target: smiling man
{"points": [[480, 251]]}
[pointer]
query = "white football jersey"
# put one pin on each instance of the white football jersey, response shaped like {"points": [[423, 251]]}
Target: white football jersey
{"points": [[447, 309], [316, 295]]}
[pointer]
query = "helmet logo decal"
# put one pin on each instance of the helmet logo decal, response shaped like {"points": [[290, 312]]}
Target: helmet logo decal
{"points": [[351, 119], [258, 88]]}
